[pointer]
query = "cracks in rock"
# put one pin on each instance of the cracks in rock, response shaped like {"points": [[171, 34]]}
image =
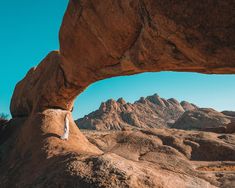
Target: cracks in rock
{"points": [[62, 85], [146, 21], [176, 52], [113, 65], [144, 13], [66, 82], [67, 85], [138, 35], [134, 42], [64, 76], [145, 16]]}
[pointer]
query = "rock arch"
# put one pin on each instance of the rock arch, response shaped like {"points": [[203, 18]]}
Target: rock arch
{"points": [[102, 39]]}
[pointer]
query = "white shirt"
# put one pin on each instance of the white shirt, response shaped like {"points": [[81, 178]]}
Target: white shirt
{"points": [[65, 136]]}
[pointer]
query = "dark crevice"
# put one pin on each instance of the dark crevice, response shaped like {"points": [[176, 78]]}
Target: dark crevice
{"points": [[57, 108], [144, 14], [66, 82]]}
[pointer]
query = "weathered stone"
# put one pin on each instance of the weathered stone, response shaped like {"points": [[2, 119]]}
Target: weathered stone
{"points": [[140, 36], [102, 39], [188, 106], [205, 119], [154, 112]]}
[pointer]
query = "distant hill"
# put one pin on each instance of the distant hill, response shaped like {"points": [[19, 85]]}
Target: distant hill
{"points": [[206, 119], [150, 112]]}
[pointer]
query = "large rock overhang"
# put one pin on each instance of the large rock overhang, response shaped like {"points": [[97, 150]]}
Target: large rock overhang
{"points": [[102, 39]]}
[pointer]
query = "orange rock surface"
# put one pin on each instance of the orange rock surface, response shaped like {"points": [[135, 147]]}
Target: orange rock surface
{"points": [[102, 39]]}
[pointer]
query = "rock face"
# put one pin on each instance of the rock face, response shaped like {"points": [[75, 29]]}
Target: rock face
{"points": [[34, 147], [188, 106], [161, 153], [205, 119], [156, 112], [149, 112], [140, 36], [135, 158], [102, 39], [229, 113]]}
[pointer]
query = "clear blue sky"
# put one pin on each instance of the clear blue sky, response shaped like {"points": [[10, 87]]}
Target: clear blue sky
{"points": [[29, 30]]}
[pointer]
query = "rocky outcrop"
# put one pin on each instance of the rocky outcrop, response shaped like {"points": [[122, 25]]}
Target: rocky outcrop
{"points": [[149, 112], [188, 106], [205, 119], [34, 147], [102, 39], [135, 158], [140, 36], [229, 113], [161, 153], [156, 112], [40, 88]]}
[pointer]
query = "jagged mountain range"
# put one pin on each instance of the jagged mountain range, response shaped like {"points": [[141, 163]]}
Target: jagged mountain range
{"points": [[150, 112], [156, 112]]}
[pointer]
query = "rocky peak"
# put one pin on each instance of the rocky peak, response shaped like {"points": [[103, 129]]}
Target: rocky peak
{"points": [[188, 106], [152, 111], [141, 100], [102, 107], [205, 119], [172, 100], [110, 102], [109, 105], [121, 101], [156, 100]]}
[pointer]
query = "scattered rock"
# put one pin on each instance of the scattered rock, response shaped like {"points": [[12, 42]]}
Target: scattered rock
{"points": [[132, 158]]}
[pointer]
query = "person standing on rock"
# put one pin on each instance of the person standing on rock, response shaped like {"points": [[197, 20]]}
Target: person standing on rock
{"points": [[65, 136]]}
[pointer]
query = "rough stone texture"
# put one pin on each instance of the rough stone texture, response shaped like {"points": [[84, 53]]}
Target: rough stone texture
{"points": [[188, 106], [34, 143], [156, 112], [41, 86], [149, 112], [102, 39], [205, 119], [140, 36], [135, 158]]}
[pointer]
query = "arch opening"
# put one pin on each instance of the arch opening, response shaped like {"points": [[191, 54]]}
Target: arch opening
{"points": [[205, 91], [140, 36], [157, 100]]}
